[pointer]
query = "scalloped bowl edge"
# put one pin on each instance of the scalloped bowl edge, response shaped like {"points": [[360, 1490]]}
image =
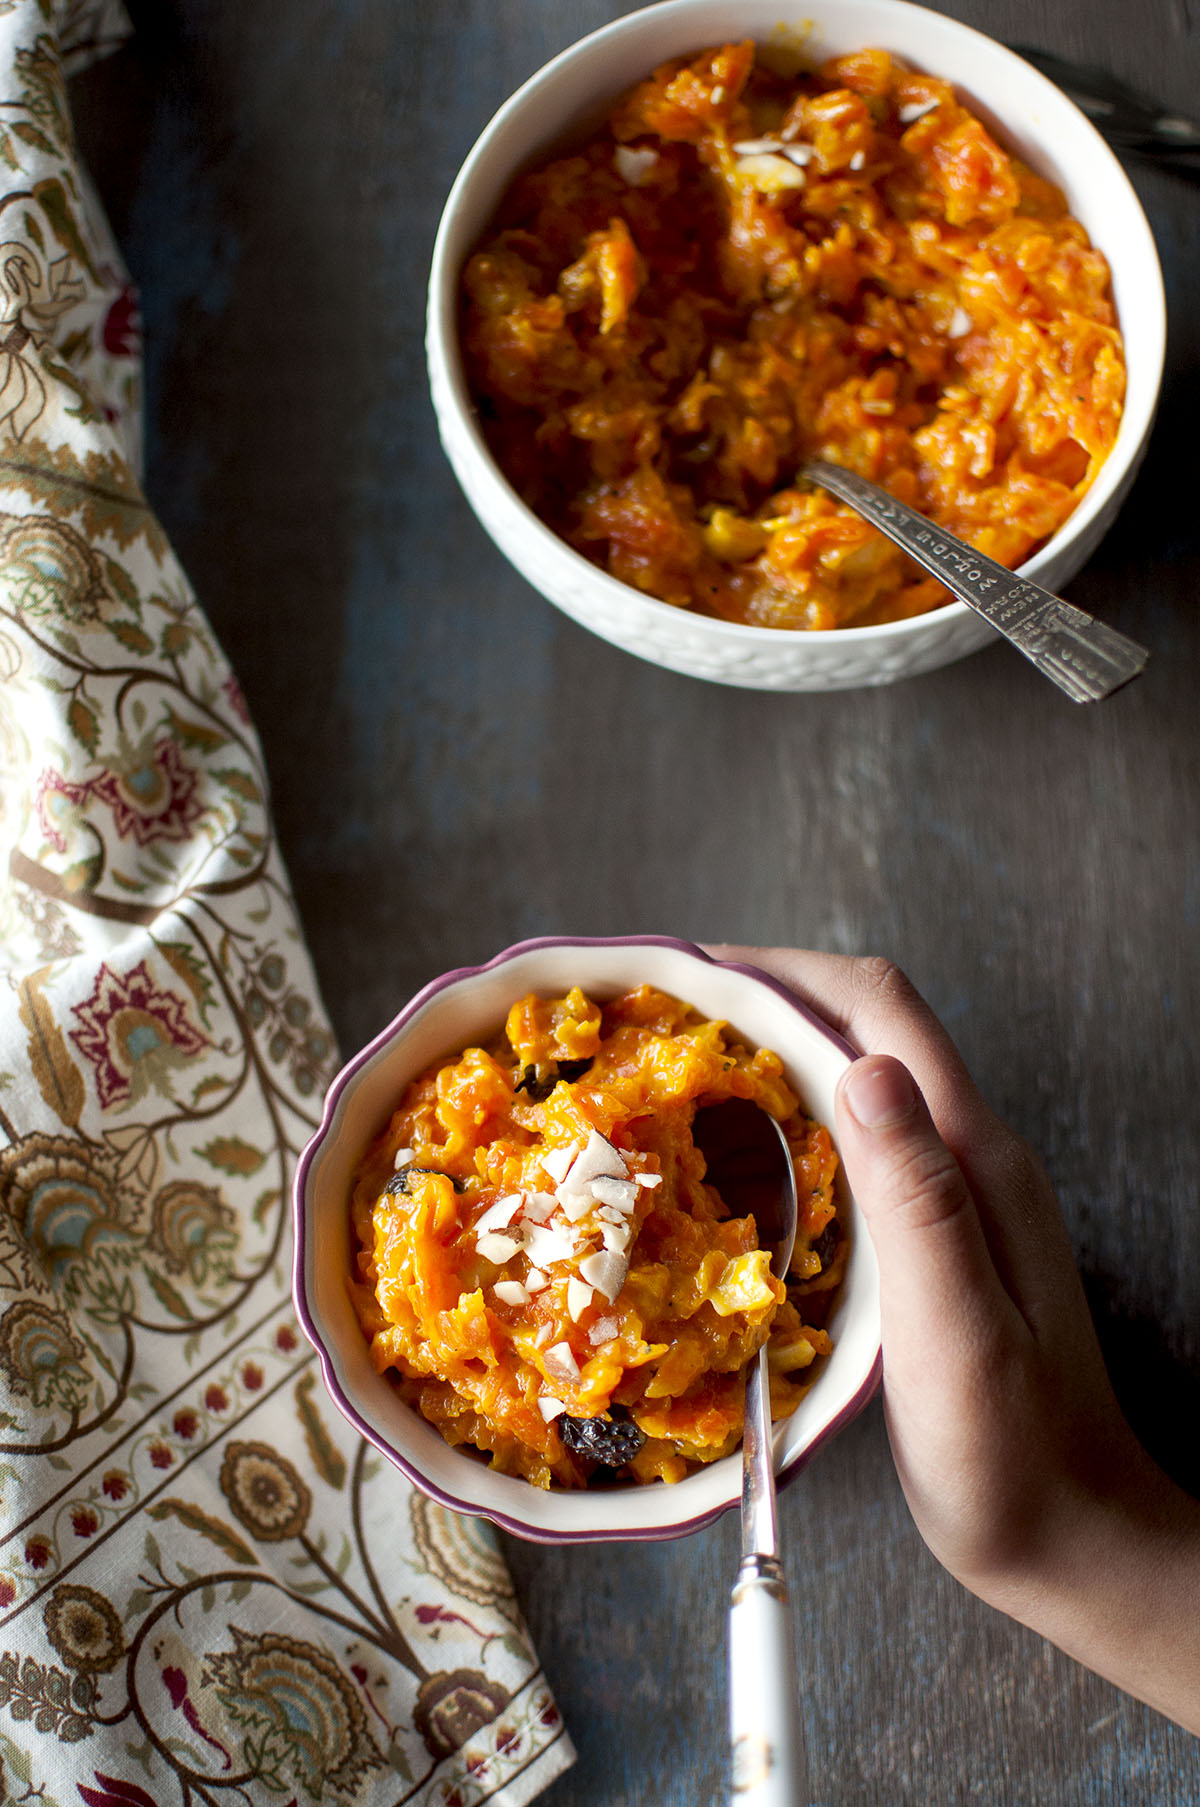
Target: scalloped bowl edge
{"points": [[465, 1005]]}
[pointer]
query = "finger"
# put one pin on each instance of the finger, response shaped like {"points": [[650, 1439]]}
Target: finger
{"points": [[879, 1011], [938, 1284]]}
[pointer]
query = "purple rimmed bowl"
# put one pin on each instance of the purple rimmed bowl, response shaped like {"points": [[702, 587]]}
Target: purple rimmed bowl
{"points": [[468, 1007]]}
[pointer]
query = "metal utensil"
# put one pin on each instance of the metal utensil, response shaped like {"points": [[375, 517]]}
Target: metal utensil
{"points": [[1081, 655], [751, 1165], [1129, 120]]}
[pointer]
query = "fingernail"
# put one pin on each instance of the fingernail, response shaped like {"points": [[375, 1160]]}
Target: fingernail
{"points": [[880, 1093]]}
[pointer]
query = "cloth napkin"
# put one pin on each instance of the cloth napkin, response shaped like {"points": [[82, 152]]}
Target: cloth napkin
{"points": [[210, 1589]]}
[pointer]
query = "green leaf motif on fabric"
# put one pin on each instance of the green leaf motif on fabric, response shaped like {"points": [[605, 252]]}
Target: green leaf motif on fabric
{"points": [[399, 1762], [84, 724], [124, 588], [99, 486], [232, 1155], [29, 134], [205, 1524], [194, 973], [176, 638], [132, 636], [241, 783], [39, 72], [59, 1079], [168, 1297], [207, 1086], [264, 1204], [327, 1458], [51, 196], [108, 1302], [194, 734]]}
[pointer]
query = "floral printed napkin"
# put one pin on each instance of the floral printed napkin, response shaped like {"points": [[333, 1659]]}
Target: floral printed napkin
{"points": [[210, 1589]]}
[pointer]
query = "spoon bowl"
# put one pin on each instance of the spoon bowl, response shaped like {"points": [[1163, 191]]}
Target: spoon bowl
{"points": [[749, 1163]]}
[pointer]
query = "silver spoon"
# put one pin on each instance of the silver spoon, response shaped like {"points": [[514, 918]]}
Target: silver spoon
{"points": [[1078, 653], [750, 1164], [1129, 120]]}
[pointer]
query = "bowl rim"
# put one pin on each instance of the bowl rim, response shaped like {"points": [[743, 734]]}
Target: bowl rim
{"points": [[347, 1078], [448, 380]]}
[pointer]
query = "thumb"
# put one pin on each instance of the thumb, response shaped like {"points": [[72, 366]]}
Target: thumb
{"points": [[911, 1191]]}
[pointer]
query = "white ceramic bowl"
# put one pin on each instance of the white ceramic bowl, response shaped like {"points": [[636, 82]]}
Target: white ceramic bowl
{"points": [[1027, 113], [467, 1007]]}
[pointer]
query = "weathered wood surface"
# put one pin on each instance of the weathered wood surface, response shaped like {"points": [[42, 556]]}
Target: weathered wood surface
{"points": [[456, 765]]}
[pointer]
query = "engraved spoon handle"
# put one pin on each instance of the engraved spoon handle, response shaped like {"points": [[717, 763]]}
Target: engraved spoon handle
{"points": [[1081, 655]]}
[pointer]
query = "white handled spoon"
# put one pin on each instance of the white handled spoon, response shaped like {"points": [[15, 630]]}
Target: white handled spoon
{"points": [[750, 1164]]}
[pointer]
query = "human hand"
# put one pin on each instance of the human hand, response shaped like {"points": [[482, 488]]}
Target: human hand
{"points": [[1020, 1470]]}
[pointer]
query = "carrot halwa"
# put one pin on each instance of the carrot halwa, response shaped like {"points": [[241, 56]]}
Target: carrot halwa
{"points": [[542, 1260], [745, 269]]}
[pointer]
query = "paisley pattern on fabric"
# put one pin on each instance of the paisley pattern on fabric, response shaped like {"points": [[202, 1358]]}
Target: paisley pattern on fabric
{"points": [[300, 1717], [461, 1553], [40, 1356], [62, 1200], [210, 1588]]}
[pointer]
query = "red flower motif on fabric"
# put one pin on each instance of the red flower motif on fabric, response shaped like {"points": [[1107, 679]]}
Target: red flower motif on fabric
{"points": [[130, 1030], [160, 1455], [114, 1792], [252, 1377], [84, 1521], [185, 1425], [216, 1399], [285, 1340], [115, 1484], [122, 329], [8, 1591], [37, 1552], [154, 796], [154, 799]]}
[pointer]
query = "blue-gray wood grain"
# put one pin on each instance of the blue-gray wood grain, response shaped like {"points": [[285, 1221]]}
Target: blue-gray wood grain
{"points": [[455, 766]]}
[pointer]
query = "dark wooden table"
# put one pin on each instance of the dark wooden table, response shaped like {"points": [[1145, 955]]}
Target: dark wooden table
{"points": [[275, 174]]}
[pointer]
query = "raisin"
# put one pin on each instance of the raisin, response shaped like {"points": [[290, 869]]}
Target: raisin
{"points": [[539, 1082], [825, 1247], [538, 1085], [399, 1179], [610, 1441]]}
